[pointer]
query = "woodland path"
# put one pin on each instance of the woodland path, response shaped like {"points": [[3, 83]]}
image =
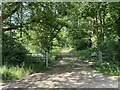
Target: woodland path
{"points": [[68, 73]]}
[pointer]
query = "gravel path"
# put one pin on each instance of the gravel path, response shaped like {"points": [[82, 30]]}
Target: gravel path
{"points": [[62, 76]]}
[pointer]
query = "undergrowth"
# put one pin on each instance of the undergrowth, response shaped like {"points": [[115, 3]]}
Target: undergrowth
{"points": [[109, 69], [9, 73]]}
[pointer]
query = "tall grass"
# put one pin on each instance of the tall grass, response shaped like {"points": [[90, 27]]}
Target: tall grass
{"points": [[12, 73], [9, 73]]}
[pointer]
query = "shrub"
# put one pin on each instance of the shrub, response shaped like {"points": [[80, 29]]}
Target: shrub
{"points": [[12, 51], [108, 68]]}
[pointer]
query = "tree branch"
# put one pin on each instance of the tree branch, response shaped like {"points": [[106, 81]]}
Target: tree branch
{"points": [[16, 6], [11, 28]]}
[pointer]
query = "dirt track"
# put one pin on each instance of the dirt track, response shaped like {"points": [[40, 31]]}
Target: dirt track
{"points": [[74, 75]]}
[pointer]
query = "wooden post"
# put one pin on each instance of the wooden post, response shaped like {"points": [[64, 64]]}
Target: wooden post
{"points": [[114, 56], [100, 57], [46, 62]]}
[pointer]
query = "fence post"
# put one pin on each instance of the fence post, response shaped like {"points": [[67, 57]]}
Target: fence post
{"points": [[100, 57]]}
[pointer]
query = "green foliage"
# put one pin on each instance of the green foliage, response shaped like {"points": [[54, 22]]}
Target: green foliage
{"points": [[83, 44], [55, 53], [36, 67], [6, 75], [13, 73], [13, 52], [45, 26], [109, 68]]}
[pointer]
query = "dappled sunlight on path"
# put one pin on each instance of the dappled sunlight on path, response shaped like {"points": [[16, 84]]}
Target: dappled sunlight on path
{"points": [[66, 75]]}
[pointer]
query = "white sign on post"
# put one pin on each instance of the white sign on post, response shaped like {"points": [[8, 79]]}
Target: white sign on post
{"points": [[46, 59]]}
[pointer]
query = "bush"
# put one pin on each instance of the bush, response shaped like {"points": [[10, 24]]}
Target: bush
{"points": [[12, 51], [82, 44], [108, 68]]}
